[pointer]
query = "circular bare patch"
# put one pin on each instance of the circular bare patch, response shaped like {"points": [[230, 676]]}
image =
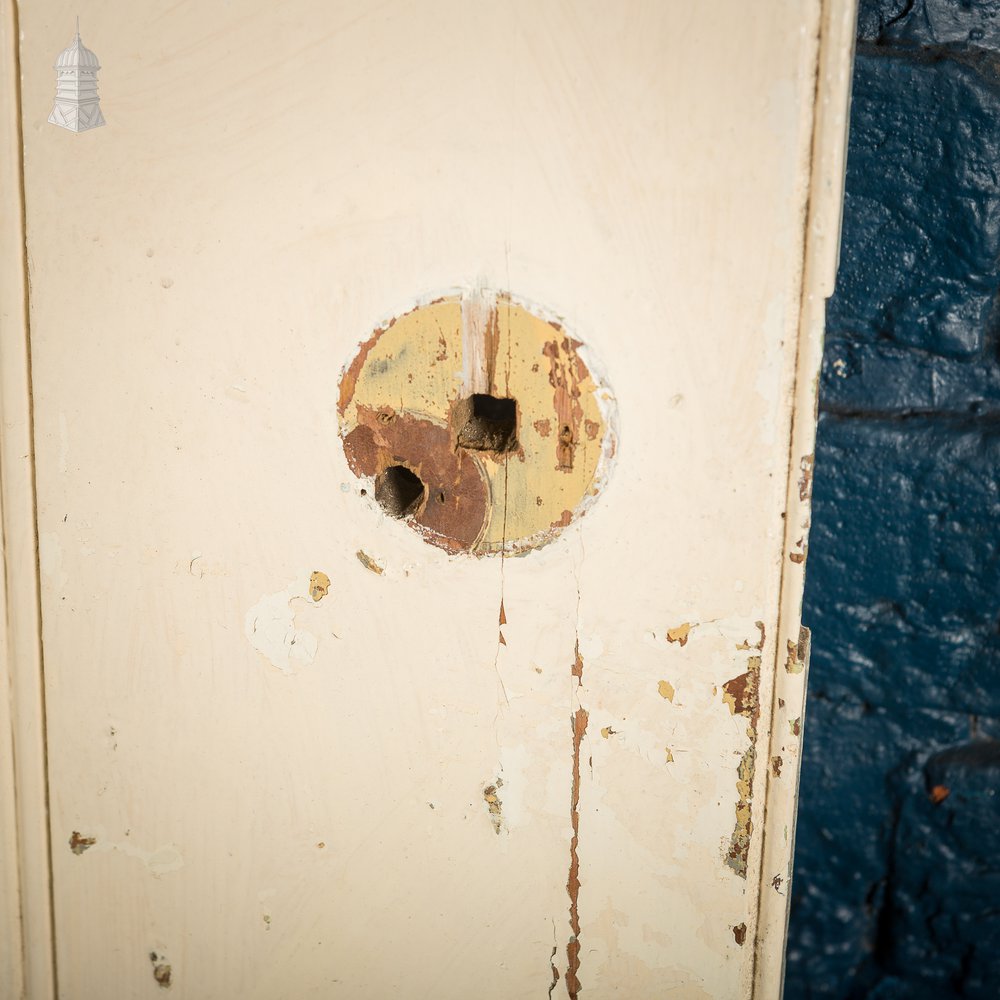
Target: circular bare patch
{"points": [[479, 422]]}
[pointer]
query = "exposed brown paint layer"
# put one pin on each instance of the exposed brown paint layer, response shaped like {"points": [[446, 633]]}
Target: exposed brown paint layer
{"points": [[740, 933], [742, 695], [566, 372], [579, 722], [580, 719], [544, 427], [564, 519], [457, 503], [492, 345], [78, 844], [776, 763]]}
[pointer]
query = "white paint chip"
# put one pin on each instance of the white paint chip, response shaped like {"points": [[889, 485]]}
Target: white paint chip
{"points": [[270, 628]]}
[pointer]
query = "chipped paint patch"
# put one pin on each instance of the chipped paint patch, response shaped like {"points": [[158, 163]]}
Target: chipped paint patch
{"points": [[793, 665], [795, 726], [740, 933], [78, 843], [578, 721], [666, 690], [270, 628], [739, 843], [680, 633], [369, 563], [319, 586], [162, 970], [806, 464], [669, 755], [776, 763], [742, 695], [492, 799]]}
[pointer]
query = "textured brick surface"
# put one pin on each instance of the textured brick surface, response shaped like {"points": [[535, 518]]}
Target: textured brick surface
{"points": [[897, 878]]}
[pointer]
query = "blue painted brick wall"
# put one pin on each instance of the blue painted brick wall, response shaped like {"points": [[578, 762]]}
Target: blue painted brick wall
{"points": [[897, 868]]}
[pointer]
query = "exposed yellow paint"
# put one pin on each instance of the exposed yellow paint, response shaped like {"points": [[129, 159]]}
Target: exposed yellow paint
{"points": [[369, 563], [680, 633], [669, 755], [666, 690], [415, 366], [319, 585]]}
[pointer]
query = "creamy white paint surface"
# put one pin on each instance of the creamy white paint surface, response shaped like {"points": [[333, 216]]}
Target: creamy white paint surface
{"points": [[272, 179]]}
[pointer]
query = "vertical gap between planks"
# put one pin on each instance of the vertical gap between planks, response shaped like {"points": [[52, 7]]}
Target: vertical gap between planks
{"points": [[22, 591]]}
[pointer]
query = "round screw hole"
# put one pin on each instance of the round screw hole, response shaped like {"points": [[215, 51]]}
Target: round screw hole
{"points": [[399, 491]]}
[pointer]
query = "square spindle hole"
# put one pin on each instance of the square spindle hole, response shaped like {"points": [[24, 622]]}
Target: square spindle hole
{"points": [[486, 423]]}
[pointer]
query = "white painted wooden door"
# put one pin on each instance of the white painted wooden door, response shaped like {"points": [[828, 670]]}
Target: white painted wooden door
{"points": [[281, 728]]}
